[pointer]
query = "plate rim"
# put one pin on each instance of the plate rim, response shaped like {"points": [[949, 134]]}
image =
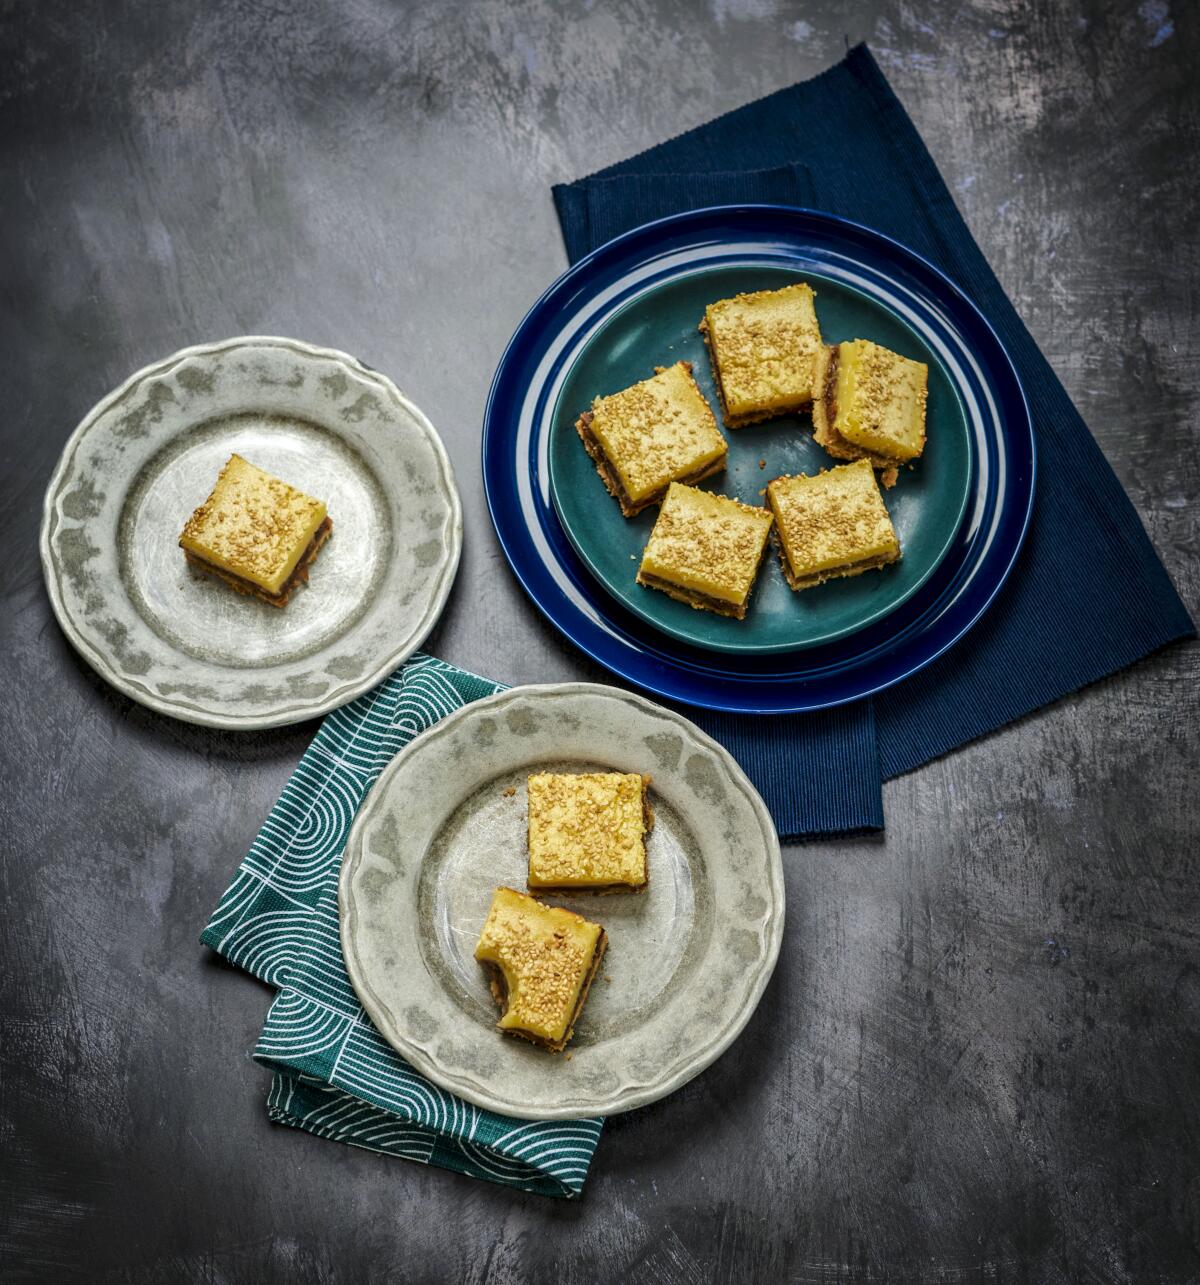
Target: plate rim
{"points": [[651, 672], [293, 713], [750, 652], [623, 1099]]}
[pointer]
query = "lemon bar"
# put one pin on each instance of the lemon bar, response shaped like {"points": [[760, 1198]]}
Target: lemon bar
{"points": [[871, 405], [705, 550], [652, 434], [763, 348], [587, 831], [256, 533], [831, 524], [542, 960]]}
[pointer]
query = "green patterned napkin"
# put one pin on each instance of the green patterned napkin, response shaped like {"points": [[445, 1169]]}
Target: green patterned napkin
{"points": [[334, 1075]]}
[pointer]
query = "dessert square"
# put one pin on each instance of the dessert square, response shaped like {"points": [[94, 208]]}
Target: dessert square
{"points": [[652, 434], [542, 960], [705, 550], [587, 831], [831, 524], [870, 405], [763, 348], [256, 533]]}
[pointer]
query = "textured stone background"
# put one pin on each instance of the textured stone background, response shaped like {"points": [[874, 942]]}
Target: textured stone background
{"points": [[980, 1055]]}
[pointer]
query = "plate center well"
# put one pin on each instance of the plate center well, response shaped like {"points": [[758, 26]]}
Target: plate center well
{"points": [[206, 619], [654, 937], [660, 326]]}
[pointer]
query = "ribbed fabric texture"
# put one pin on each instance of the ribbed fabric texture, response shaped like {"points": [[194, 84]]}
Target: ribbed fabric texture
{"points": [[817, 773], [1088, 595], [609, 201]]}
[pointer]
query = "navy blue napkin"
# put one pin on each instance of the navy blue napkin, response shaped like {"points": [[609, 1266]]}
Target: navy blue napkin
{"points": [[1088, 595]]}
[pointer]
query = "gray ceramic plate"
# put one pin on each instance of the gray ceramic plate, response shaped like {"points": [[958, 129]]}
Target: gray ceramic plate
{"points": [[687, 960], [148, 454]]}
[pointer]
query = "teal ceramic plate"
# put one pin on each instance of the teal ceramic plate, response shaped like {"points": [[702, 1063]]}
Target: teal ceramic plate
{"points": [[658, 327]]}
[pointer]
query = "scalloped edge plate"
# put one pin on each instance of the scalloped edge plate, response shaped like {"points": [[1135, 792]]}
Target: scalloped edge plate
{"points": [[438, 832], [119, 586]]}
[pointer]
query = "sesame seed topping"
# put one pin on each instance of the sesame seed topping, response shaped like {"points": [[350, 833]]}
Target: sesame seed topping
{"points": [[764, 346], [544, 954], [707, 542], [587, 828], [658, 430], [880, 400], [831, 519], [253, 525]]}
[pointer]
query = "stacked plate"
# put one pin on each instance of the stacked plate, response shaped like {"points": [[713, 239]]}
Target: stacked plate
{"points": [[634, 304]]}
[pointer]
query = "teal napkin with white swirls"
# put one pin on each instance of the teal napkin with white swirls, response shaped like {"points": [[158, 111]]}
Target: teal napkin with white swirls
{"points": [[333, 1073]]}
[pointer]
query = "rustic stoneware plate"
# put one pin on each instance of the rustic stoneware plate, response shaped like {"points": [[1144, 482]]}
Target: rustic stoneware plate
{"points": [[687, 961], [149, 453]]}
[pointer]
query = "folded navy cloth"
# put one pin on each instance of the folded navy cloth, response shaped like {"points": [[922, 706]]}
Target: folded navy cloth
{"points": [[1088, 595]]}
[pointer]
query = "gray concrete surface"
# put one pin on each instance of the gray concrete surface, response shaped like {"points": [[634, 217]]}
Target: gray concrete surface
{"points": [[979, 1059]]}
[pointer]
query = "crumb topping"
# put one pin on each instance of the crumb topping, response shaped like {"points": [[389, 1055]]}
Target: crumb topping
{"points": [[765, 347], [253, 525], [545, 953], [832, 519], [587, 828], [657, 431], [707, 542]]}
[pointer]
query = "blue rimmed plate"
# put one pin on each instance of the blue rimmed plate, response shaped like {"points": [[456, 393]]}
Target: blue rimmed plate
{"points": [[643, 275]]}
